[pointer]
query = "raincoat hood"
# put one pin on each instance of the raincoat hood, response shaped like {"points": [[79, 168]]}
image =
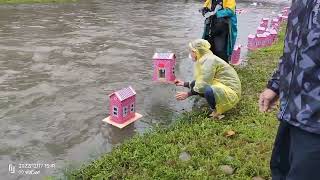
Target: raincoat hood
{"points": [[201, 47]]}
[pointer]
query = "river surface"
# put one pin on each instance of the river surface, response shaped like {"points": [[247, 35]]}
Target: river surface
{"points": [[59, 62]]}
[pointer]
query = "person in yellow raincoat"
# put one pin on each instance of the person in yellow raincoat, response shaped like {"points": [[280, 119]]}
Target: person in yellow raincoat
{"points": [[215, 80]]}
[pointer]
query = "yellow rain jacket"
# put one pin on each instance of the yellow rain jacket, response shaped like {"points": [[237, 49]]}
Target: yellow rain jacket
{"points": [[215, 72]]}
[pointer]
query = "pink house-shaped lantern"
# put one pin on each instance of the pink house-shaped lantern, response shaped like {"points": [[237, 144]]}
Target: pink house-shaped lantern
{"points": [[274, 21], [275, 26], [285, 12], [274, 35], [268, 30], [264, 22], [252, 42], [280, 18], [164, 67], [235, 57], [268, 40], [261, 30], [261, 40], [122, 108]]}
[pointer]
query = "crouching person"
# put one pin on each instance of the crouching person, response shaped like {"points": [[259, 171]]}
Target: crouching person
{"points": [[215, 80]]}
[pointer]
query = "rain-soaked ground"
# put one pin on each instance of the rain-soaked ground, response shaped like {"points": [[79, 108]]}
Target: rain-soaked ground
{"points": [[59, 62]]}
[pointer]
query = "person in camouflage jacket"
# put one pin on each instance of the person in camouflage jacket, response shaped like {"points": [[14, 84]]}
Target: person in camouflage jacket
{"points": [[296, 152]]}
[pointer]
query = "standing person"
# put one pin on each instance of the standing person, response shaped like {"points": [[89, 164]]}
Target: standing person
{"points": [[296, 151], [220, 29], [215, 80]]}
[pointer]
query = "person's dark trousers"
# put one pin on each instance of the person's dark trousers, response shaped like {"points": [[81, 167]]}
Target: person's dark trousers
{"points": [[218, 47], [208, 95], [218, 37], [295, 155]]}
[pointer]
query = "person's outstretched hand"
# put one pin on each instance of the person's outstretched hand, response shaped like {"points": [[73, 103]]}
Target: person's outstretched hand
{"points": [[182, 96], [267, 100], [178, 82]]}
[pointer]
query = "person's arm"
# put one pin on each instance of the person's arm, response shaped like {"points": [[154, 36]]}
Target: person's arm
{"points": [[186, 84], [190, 85], [270, 95], [273, 83]]}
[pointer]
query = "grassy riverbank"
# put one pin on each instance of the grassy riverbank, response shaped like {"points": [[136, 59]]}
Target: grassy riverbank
{"points": [[33, 1], [156, 154]]}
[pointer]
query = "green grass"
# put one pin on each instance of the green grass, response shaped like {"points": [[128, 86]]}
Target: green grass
{"points": [[155, 155], [33, 1]]}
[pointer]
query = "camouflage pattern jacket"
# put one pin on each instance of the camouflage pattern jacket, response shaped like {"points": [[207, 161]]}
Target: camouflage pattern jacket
{"points": [[297, 79]]}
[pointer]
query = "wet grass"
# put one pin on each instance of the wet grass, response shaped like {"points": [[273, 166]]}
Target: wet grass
{"points": [[33, 1], [155, 155]]}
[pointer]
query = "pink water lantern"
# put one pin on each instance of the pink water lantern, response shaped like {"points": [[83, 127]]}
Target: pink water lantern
{"points": [[268, 40], [274, 35], [280, 18], [264, 22], [261, 30], [164, 67], [235, 57], [274, 21], [122, 108], [285, 13], [261, 40], [275, 27], [252, 45]]}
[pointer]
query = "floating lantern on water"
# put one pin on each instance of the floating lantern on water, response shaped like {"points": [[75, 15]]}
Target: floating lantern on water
{"points": [[164, 67], [122, 108]]}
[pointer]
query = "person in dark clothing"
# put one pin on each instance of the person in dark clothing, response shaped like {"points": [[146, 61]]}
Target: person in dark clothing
{"points": [[220, 26], [296, 151]]}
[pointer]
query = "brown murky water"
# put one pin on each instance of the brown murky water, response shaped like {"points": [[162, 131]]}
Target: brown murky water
{"points": [[59, 62]]}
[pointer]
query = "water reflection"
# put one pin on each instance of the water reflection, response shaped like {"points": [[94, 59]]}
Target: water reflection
{"points": [[114, 135]]}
